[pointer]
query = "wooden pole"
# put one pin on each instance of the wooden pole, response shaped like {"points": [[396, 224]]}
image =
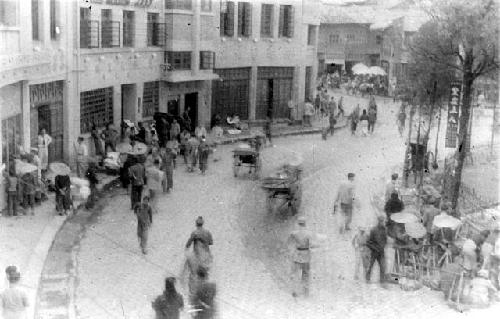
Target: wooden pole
{"points": [[408, 147]]}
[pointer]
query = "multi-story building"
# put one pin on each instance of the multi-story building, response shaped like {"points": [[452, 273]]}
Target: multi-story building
{"points": [[36, 50], [370, 33], [265, 57], [67, 65]]}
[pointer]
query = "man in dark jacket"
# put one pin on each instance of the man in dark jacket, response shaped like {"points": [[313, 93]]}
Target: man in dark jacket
{"points": [[137, 175], [376, 243]]}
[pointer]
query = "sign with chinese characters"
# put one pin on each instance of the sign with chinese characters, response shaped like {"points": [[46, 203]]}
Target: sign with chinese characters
{"points": [[453, 112]]}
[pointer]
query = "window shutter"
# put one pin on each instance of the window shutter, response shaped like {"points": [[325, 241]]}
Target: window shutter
{"points": [[282, 21], [241, 8], [290, 21], [229, 26], [247, 16], [222, 22]]}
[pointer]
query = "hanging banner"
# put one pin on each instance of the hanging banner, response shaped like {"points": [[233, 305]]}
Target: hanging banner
{"points": [[453, 112]]}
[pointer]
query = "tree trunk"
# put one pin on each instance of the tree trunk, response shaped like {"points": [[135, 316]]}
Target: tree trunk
{"points": [[468, 80]]}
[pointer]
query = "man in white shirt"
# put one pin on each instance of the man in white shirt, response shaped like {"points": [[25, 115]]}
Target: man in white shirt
{"points": [[14, 301], [345, 199], [81, 157], [155, 177]]}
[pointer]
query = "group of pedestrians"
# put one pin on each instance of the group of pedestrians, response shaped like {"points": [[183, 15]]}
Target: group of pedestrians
{"points": [[365, 121], [201, 289]]}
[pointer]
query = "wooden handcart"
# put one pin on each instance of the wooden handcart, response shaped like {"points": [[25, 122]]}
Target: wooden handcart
{"points": [[247, 157], [283, 190]]}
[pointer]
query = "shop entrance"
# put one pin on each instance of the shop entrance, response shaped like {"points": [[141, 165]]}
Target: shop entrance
{"points": [[191, 102]]}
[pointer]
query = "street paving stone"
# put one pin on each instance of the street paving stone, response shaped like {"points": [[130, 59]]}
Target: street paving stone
{"points": [[251, 268]]}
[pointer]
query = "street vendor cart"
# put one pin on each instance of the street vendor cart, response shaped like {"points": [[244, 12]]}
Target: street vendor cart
{"points": [[283, 189], [246, 156]]}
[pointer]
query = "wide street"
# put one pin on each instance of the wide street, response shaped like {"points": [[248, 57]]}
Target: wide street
{"points": [[114, 280]]}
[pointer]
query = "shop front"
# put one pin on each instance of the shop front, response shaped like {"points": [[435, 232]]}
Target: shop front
{"points": [[46, 112], [274, 90], [11, 122]]}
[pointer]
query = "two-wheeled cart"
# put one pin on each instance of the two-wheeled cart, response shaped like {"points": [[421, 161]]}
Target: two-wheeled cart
{"points": [[283, 190], [247, 157]]}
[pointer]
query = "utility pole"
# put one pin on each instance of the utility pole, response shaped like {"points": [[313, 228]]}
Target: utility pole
{"points": [[406, 168]]}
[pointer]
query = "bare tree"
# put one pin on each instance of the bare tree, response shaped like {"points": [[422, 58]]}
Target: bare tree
{"points": [[462, 35]]}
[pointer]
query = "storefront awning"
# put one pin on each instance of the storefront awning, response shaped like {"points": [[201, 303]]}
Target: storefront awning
{"points": [[335, 61]]}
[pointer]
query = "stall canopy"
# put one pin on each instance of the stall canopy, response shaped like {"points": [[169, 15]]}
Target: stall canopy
{"points": [[335, 61], [360, 68], [376, 70]]}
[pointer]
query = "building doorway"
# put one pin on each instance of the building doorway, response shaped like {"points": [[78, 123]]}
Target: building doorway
{"points": [[191, 102], [129, 96]]}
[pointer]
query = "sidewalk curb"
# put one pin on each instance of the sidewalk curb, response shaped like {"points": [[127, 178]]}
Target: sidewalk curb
{"points": [[36, 262], [303, 131]]}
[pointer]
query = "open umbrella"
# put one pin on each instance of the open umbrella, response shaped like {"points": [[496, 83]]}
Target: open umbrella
{"points": [[404, 218], [444, 220], [376, 70], [360, 68], [415, 230]]}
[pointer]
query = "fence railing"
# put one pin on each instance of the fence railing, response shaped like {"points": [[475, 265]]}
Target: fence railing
{"points": [[110, 34], [89, 34]]}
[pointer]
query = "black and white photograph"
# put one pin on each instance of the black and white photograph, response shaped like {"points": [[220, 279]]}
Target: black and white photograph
{"points": [[255, 159]]}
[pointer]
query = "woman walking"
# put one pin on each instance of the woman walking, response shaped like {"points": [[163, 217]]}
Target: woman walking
{"points": [[363, 123]]}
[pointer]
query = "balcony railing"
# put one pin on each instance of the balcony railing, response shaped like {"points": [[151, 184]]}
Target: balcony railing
{"points": [[157, 34], [89, 34], [110, 34]]}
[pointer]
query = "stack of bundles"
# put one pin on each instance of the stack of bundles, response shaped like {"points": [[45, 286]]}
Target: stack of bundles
{"points": [[112, 161]]}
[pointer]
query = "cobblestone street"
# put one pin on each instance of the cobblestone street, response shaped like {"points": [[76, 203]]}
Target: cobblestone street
{"points": [[115, 280]]}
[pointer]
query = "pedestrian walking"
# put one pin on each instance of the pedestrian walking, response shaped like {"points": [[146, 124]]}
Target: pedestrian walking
{"points": [[97, 143], [62, 185], [308, 113], [300, 241], [195, 259], [110, 136], [137, 174], [203, 152], [361, 251], [167, 166], [169, 304], [144, 215], [155, 178], [12, 191], [354, 118], [332, 106], [173, 147], [184, 145], [81, 157], [44, 140], [363, 123], [91, 176], [317, 103], [14, 300], [204, 296], [332, 119], [192, 149], [372, 118], [345, 200], [200, 236], [187, 119], [376, 243], [401, 121], [175, 130]]}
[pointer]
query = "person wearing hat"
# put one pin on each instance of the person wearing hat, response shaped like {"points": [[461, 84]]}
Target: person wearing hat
{"points": [[14, 300], [137, 174], [376, 243], [144, 215], [200, 236], [300, 242], [345, 199]]}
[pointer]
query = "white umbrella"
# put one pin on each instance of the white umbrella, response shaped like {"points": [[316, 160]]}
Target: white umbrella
{"points": [[404, 218], [376, 70], [360, 68], [444, 220]]}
